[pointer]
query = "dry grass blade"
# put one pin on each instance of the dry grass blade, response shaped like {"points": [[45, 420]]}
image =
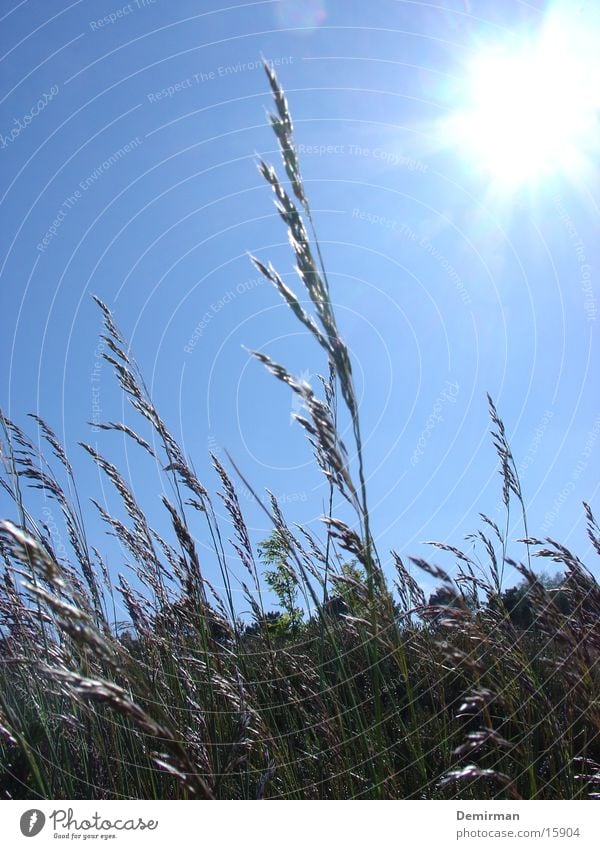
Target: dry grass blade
{"points": [[329, 451], [292, 301], [53, 441], [508, 467], [283, 128], [123, 428], [119, 700]]}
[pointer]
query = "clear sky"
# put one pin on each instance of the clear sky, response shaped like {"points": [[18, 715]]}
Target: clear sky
{"points": [[462, 245]]}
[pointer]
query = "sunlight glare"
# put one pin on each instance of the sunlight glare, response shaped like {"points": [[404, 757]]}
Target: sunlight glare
{"points": [[531, 112]]}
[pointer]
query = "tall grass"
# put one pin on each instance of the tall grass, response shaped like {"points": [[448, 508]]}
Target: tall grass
{"points": [[358, 687]]}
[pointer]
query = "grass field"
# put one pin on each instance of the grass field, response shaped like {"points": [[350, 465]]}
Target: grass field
{"points": [[356, 686]]}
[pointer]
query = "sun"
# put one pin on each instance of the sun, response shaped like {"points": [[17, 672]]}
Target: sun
{"points": [[529, 111]]}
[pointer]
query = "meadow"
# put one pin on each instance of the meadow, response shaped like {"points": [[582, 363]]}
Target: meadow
{"points": [[357, 686]]}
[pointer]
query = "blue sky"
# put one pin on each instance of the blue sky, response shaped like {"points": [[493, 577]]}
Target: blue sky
{"points": [[128, 140]]}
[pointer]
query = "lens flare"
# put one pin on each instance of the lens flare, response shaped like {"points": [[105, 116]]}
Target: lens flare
{"points": [[530, 111], [306, 14]]}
